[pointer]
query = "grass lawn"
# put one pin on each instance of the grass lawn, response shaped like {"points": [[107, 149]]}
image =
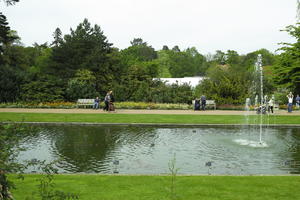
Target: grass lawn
{"points": [[145, 118], [95, 187]]}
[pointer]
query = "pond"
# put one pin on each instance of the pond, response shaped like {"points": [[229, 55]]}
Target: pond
{"points": [[220, 150]]}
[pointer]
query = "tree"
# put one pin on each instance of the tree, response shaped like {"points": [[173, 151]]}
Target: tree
{"points": [[86, 47], [135, 84], [287, 67], [83, 85], [248, 60], [220, 57], [57, 35], [10, 83], [176, 48], [232, 58], [137, 42], [227, 85], [139, 51], [44, 89], [6, 36], [165, 48]]}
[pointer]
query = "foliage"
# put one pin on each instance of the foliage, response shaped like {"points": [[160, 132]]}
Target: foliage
{"points": [[288, 66], [83, 64], [249, 59], [59, 104], [185, 63], [82, 86], [6, 37], [10, 136], [10, 83], [44, 89], [139, 51], [86, 47], [226, 85]]}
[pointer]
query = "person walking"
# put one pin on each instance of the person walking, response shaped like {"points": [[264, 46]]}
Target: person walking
{"points": [[290, 97], [203, 102], [298, 101], [271, 105], [106, 101], [111, 102]]}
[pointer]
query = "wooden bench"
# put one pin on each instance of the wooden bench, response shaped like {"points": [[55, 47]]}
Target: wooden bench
{"points": [[209, 103], [85, 102]]}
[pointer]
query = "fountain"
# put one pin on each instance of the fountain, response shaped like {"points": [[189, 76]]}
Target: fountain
{"points": [[260, 105]]}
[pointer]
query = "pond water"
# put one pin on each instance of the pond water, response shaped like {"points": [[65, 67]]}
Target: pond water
{"points": [[148, 150]]}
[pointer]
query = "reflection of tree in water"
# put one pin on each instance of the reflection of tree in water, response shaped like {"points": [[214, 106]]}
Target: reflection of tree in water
{"points": [[83, 148], [291, 136], [295, 148], [92, 148]]}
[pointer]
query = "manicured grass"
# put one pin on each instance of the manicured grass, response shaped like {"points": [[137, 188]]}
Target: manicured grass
{"points": [[95, 187], [145, 118]]}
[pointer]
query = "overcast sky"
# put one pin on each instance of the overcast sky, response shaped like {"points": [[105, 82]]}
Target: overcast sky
{"points": [[209, 25]]}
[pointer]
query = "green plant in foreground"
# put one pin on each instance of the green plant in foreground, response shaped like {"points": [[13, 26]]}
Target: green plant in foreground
{"points": [[10, 136], [5, 185], [173, 173]]}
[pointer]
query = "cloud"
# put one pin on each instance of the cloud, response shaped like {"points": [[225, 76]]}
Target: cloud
{"points": [[208, 25]]}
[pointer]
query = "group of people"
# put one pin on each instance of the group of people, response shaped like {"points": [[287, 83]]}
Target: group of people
{"points": [[290, 97], [108, 102], [200, 104], [268, 105]]}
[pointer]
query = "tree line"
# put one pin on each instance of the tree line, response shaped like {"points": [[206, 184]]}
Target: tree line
{"points": [[84, 64]]}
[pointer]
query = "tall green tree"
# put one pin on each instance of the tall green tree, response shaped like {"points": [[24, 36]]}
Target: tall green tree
{"points": [[86, 47], [57, 35], [139, 51], [288, 66], [6, 35]]}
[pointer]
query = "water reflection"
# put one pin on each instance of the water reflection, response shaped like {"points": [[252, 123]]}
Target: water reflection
{"points": [[147, 150]]}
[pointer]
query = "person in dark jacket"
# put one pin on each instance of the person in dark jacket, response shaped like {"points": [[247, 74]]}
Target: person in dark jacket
{"points": [[111, 102], [203, 102], [197, 104], [106, 101]]}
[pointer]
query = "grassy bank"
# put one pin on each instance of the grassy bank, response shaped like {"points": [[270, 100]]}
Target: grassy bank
{"points": [[145, 118], [95, 187]]}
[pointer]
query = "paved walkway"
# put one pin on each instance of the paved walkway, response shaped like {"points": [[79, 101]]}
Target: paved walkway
{"points": [[125, 111]]}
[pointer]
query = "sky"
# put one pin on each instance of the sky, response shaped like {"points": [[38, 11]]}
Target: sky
{"points": [[209, 25]]}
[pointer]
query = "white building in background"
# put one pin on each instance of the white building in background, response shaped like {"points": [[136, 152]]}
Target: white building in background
{"points": [[192, 81]]}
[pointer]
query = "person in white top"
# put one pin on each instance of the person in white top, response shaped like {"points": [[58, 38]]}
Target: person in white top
{"points": [[271, 104], [290, 97]]}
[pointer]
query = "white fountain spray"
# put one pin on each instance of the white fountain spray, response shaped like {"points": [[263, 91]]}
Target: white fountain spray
{"points": [[260, 105], [259, 69]]}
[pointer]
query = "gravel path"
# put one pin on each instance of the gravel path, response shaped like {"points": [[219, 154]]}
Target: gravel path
{"points": [[123, 111]]}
